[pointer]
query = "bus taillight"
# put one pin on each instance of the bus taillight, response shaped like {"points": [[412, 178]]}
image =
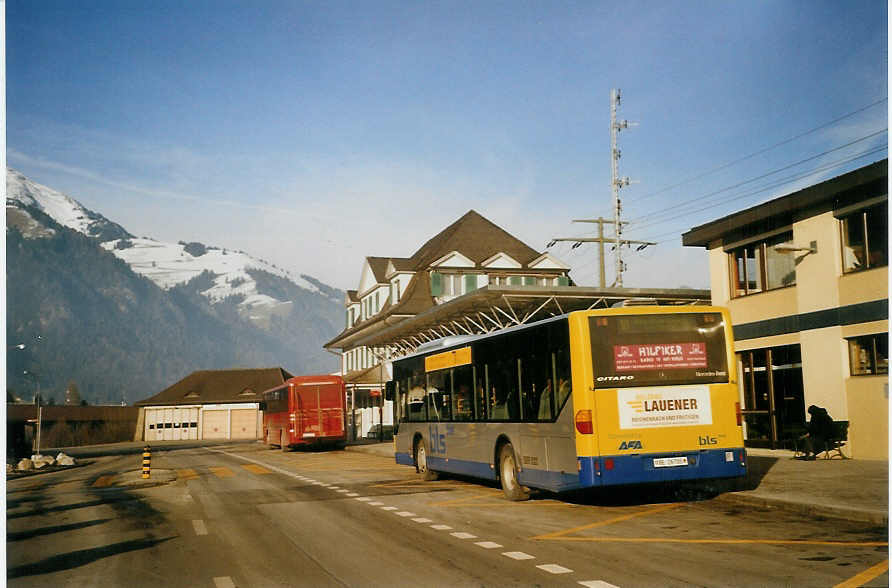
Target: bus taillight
{"points": [[739, 415], [584, 422]]}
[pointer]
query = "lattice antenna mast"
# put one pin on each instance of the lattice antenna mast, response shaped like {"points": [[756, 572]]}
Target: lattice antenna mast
{"points": [[617, 182]]}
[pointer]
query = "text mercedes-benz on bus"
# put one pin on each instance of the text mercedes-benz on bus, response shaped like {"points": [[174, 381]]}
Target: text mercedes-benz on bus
{"points": [[305, 410], [592, 398]]}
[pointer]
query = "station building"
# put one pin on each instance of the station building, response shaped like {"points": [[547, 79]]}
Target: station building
{"points": [[211, 404], [806, 279], [471, 278]]}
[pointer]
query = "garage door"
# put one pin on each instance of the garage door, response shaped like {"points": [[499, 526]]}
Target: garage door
{"points": [[214, 424], [153, 431], [244, 423]]}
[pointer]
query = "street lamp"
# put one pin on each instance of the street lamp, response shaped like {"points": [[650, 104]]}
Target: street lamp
{"points": [[39, 407]]}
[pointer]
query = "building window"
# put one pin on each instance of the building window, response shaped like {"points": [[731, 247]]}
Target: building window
{"points": [[757, 267], [869, 354], [865, 238]]}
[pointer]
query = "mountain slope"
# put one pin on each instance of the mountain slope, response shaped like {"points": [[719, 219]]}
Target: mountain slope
{"points": [[168, 264], [119, 335]]}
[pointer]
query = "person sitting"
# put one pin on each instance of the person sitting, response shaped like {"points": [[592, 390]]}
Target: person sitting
{"points": [[820, 430]]}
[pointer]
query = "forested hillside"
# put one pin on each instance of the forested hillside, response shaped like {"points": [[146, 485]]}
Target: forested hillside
{"points": [[118, 336]]}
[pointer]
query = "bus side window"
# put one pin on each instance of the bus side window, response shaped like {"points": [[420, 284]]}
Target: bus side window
{"points": [[462, 387], [415, 398], [503, 394], [439, 394], [480, 393]]}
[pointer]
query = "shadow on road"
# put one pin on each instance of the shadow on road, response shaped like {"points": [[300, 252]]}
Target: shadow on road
{"points": [[74, 559], [22, 535]]}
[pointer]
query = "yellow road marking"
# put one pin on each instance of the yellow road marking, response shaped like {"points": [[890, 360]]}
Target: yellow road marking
{"points": [[256, 469], [221, 472], [557, 535], [865, 576], [471, 501], [103, 481], [187, 474], [720, 541]]}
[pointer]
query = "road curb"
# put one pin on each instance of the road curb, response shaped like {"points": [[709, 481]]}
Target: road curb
{"points": [[855, 515]]}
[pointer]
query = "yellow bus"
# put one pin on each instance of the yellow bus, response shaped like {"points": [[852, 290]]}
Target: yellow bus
{"points": [[592, 398]]}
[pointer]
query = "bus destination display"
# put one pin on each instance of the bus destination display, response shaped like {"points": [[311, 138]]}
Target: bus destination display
{"points": [[660, 356]]}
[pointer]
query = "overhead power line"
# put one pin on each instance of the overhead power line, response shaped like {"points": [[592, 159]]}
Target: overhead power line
{"points": [[675, 206], [786, 180], [760, 152]]}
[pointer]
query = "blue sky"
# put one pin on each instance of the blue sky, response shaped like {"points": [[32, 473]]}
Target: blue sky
{"points": [[312, 134]]}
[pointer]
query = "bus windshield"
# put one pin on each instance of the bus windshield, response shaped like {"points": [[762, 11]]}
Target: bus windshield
{"points": [[658, 349]]}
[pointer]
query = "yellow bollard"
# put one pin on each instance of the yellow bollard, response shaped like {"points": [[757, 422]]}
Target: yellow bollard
{"points": [[146, 462]]}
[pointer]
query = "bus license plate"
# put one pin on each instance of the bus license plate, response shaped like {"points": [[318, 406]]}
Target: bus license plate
{"points": [[670, 462]]}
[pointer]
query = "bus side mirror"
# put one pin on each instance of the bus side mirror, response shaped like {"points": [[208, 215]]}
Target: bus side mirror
{"points": [[389, 390]]}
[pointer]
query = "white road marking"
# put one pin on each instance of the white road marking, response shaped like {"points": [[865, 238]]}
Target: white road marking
{"points": [[597, 584], [224, 582], [441, 527], [405, 513], [388, 508], [422, 520], [461, 535], [364, 498], [375, 503], [518, 555], [342, 491], [352, 494], [335, 487], [200, 527], [555, 569], [488, 545]]}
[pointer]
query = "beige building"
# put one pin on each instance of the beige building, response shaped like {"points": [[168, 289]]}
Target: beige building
{"points": [[806, 279], [211, 404]]}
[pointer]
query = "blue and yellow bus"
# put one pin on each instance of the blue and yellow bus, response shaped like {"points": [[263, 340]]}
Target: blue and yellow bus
{"points": [[592, 398]]}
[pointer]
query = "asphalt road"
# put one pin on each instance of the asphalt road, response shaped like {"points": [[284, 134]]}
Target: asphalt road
{"points": [[245, 515]]}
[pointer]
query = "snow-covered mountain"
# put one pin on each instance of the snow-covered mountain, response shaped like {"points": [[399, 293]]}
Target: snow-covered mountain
{"points": [[68, 212], [234, 274]]}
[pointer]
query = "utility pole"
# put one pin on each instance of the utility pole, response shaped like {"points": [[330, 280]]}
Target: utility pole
{"points": [[616, 183]]}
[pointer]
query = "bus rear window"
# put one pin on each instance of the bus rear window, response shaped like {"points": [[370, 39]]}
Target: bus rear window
{"points": [[658, 349]]}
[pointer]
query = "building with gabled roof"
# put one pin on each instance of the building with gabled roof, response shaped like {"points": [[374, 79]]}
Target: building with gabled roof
{"points": [[209, 404], [469, 254]]}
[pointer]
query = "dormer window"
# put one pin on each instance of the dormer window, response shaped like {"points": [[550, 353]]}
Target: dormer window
{"points": [[247, 392], [192, 394]]}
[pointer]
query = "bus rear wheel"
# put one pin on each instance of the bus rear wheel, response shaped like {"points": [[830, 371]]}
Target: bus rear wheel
{"points": [[508, 475], [421, 466]]}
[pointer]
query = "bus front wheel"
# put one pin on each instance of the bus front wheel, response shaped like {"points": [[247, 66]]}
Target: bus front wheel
{"points": [[421, 466], [508, 475]]}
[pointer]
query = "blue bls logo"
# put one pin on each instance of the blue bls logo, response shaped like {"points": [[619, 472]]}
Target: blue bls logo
{"points": [[630, 445]]}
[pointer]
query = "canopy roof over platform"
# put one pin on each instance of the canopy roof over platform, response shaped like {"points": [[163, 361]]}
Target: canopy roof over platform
{"points": [[497, 307]]}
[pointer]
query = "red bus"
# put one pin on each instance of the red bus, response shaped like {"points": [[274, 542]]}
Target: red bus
{"points": [[305, 410]]}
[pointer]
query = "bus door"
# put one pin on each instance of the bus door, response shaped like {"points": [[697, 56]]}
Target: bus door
{"points": [[463, 445], [311, 411], [332, 416], [439, 411]]}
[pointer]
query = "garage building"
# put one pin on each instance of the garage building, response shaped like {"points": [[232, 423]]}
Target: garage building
{"points": [[212, 404]]}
